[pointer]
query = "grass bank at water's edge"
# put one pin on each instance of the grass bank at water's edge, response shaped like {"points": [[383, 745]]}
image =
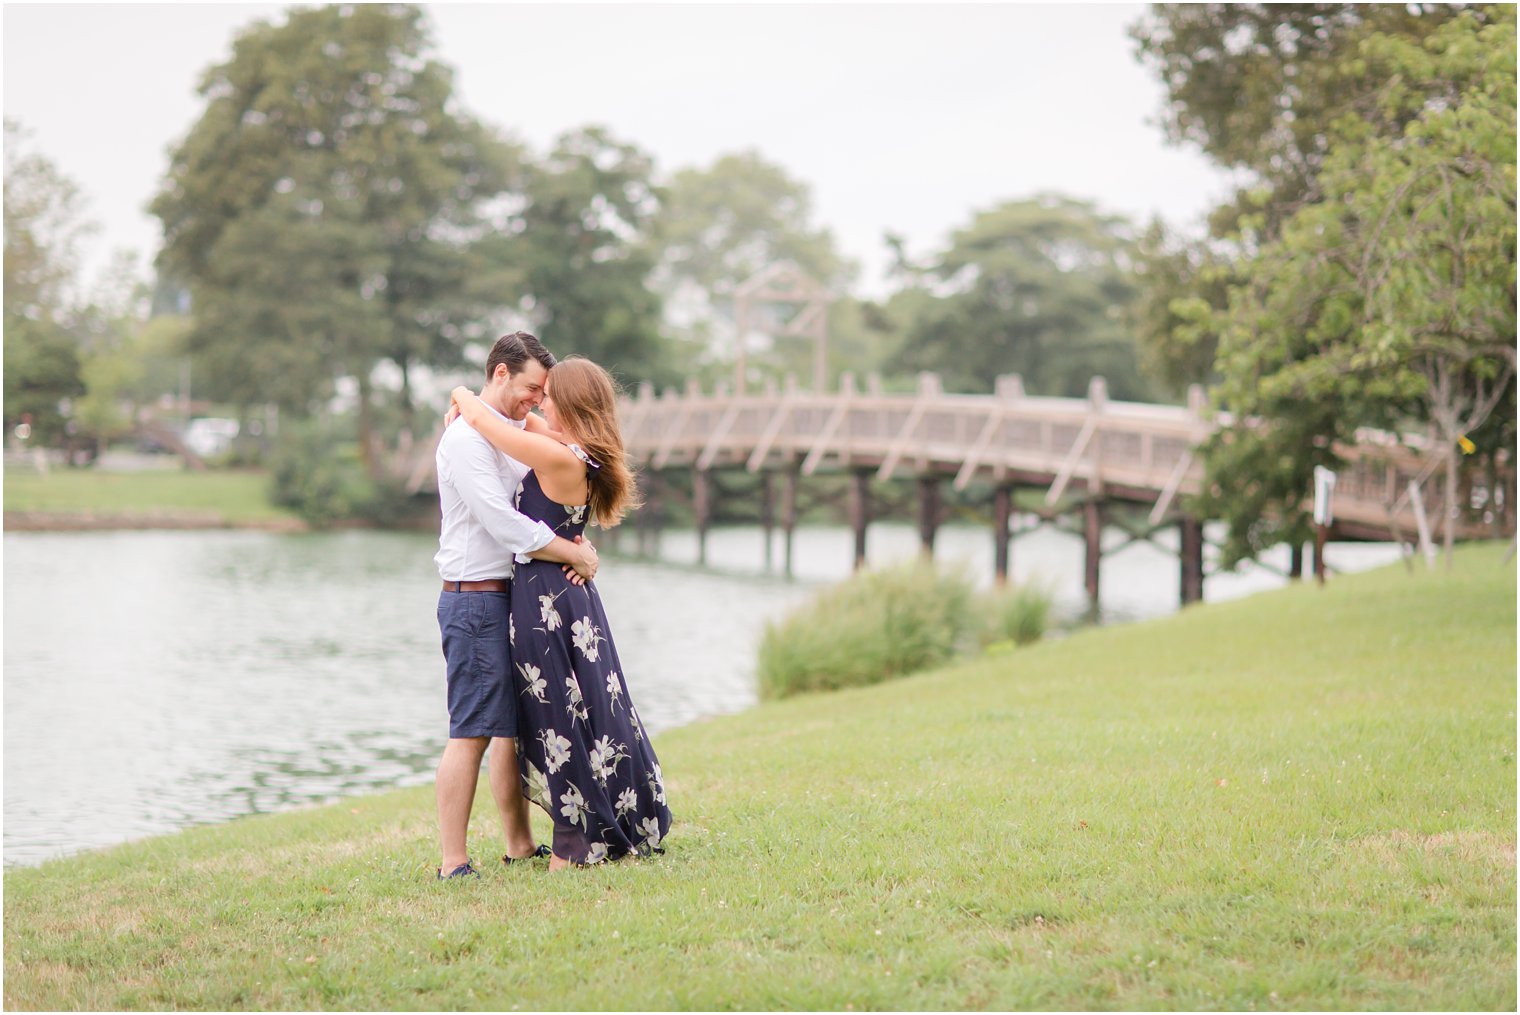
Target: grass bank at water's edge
{"points": [[173, 496], [1305, 799]]}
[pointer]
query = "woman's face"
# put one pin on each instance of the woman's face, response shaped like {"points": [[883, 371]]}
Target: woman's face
{"points": [[547, 405]]}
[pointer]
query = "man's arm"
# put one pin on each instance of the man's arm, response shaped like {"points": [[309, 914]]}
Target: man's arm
{"points": [[579, 557], [477, 479], [474, 473]]}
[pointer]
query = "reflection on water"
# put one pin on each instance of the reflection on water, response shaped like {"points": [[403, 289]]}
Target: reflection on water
{"points": [[155, 680]]}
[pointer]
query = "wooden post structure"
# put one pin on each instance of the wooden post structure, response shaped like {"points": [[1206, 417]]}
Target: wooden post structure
{"points": [[1192, 560], [860, 511], [701, 503], [649, 513], [1296, 561], [767, 514], [1320, 531], [1093, 529], [1002, 515], [928, 514], [789, 510]]}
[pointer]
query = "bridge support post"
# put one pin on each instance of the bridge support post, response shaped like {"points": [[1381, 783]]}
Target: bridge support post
{"points": [[1093, 528], [928, 514], [1296, 561], [789, 510], [860, 511], [701, 503], [767, 514], [1002, 515], [649, 520], [1192, 560]]}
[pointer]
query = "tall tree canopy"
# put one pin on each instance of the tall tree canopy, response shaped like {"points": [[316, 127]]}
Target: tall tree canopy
{"points": [[578, 242], [1256, 87], [1042, 288], [1391, 302], [323, 208], [44, 221]]}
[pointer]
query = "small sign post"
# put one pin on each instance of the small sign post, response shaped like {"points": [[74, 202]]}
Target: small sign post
{"points": [[1324, 489]]}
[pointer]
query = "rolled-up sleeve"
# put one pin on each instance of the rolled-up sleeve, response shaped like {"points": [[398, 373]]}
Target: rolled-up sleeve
{"points": [[477, 479]]}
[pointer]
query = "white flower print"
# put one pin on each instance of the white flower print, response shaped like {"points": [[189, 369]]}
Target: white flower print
{"points": [[604, 758], [657, 783], [586, 636], [575, 806], [627, 801], [638, 727], [597, 853], [535, 683], [538, 785], [511, 630], [614, 690], [556, 749], [650, 829], [576, 705], [547, 614], [577, 514]]}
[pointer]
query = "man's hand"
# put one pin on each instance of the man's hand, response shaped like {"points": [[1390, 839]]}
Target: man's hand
{"points": [[585, 567]]}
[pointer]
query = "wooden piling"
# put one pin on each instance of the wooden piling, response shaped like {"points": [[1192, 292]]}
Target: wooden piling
{"points": [[1296, 561], [860, 511], [1002, 516], [928, 514], [767, 514], [789, 510], [701, 503], [1191, 557], [1092, 512]]}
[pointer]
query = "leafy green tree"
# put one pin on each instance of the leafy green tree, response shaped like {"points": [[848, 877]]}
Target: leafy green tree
{"points": [[1255, 87], [717, 226], [1041, 287], [1391, 302], [577, 243], [44, 222], [323, 210]]}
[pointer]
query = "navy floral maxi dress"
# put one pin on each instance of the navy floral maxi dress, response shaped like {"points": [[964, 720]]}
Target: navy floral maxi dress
{"points": [[583, 753]]}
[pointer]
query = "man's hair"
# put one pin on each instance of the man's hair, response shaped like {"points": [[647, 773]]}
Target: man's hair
{"points": [[516, 349]]}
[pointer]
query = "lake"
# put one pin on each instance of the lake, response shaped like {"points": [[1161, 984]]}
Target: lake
{"points": [[155, 680]]}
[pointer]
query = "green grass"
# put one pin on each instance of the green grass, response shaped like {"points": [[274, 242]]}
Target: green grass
{"points": [[237, 497], [1301, 800]]}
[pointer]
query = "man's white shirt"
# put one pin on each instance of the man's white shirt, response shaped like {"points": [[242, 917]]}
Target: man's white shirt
{"points": [[482, 531]]}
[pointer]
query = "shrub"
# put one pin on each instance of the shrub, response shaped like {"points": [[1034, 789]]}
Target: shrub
{"points": [[318, 474], [872, 627], [1019, 615]]}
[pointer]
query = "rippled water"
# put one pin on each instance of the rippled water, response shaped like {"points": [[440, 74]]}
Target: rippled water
{"points": [[155, 680]]}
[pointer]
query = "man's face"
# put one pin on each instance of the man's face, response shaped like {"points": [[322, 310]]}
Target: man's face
{"points": [[523, 390]]}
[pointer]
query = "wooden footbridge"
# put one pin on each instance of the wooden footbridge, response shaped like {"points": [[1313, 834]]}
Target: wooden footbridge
{"points": [[1090, 456]]}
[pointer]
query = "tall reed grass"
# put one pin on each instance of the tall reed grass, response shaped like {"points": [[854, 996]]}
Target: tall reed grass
{"points": [[878, 625]]}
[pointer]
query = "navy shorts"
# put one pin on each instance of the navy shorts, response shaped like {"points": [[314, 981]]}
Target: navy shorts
{"points": [[477, 653]]}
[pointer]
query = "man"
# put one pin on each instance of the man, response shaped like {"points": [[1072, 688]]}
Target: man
{"points": [[481, 537]]}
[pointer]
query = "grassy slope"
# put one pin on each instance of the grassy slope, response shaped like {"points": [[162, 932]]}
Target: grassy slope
{"points": [[236, 496], [1305, 799]]}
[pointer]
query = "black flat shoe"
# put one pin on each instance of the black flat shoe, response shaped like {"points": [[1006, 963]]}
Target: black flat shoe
{"points": [[464, 870], [542, 850]]}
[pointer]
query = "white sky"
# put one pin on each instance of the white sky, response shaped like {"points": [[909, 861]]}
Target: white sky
{"points": [[901, 118]]}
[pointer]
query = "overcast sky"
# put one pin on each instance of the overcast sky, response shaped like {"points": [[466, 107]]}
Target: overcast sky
{"points": [[900, 118]]}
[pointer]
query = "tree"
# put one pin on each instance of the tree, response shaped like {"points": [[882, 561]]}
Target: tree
{"points": [[44, 222], [578, 245], [1256, 87], [1389, 303], [1040, 287], [323, 209], [717, 226]]}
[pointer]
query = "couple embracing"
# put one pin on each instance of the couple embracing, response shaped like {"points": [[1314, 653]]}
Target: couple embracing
{"points": [[533, 675]]}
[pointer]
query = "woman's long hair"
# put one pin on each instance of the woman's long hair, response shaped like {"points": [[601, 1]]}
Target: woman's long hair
{"points": [[585, 402]]}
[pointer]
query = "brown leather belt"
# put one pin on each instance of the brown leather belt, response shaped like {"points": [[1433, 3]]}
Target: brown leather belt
{"points": [[484, 585]]}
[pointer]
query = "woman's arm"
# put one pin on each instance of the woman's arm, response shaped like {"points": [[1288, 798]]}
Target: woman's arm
{"points": [[538, 451], [537, 424]]}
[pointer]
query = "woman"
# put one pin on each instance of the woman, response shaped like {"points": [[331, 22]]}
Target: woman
{"points": [[583, 753]]}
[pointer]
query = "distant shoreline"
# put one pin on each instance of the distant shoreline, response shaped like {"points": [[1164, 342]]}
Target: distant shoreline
{"points": [[105, 521]]}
